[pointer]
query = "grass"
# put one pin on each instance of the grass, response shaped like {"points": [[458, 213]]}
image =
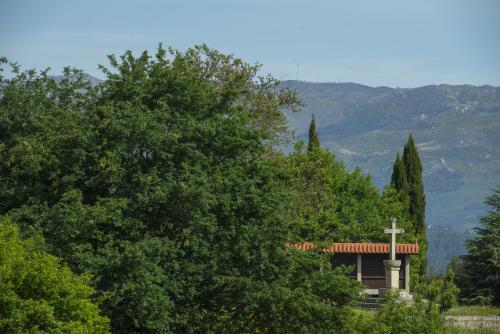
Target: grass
{"points": [[368, 316], [461, 330], [474, 310], [469, 311]]}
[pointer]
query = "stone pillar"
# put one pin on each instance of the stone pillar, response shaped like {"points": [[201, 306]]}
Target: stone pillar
{"points": [[407, 273], [358, 269], [392, 273]]}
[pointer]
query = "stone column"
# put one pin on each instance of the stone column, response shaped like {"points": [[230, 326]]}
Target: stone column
{"points": [[407, 273], [358, 268], [392, 273]]}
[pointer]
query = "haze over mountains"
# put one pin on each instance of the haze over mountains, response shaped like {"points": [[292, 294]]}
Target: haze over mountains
{"points": [[456, 128]]}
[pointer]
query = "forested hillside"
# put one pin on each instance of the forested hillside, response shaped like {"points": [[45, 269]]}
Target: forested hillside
{"points": [[456, 129]]}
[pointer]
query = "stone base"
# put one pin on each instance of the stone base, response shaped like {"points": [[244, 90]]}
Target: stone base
{"points": [[383, 291], [404, 295], [392, 273]]}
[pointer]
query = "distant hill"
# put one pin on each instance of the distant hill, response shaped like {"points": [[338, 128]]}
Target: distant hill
{"points": [[456, 128], [93, 80]]}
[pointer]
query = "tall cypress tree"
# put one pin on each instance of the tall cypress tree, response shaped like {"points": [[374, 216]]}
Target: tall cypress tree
{"points": [[416, 205], [398, 177], [413, 170], [313, 143]]}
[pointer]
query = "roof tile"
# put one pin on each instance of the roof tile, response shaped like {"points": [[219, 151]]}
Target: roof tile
{"points": [[362, 248]]}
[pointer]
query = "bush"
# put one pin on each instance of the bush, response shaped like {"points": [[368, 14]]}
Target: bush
{"points": [[444, 292], [395, 316], [40, 295]]}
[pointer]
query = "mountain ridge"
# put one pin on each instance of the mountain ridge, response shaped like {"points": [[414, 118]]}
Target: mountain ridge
{"points": [[286, 82]]}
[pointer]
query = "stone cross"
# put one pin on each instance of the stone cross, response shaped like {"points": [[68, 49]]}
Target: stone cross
{"points": [[393, 231]]}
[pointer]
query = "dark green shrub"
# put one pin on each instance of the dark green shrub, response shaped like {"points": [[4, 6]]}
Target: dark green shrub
{"points": [[395, 316], [38, 294], [444, 292]]}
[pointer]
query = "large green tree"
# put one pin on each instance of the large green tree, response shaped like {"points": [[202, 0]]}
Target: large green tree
{"points": [[479, 277], [413, 170], [162, 183], [38, 294]]}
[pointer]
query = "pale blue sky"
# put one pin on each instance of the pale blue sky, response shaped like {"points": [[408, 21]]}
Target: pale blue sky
{"points": [[392, 43]]}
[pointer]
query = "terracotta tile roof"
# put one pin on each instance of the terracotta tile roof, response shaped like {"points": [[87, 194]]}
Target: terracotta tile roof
{"points": [[362, 248]]}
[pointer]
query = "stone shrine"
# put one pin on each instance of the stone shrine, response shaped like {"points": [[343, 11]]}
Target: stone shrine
{"points": [[378, 266]]}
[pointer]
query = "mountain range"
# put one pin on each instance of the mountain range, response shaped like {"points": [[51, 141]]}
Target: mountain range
{"points": [[456, 129]]}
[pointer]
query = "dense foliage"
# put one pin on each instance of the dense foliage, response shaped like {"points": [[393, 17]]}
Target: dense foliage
{"points": [[395, 316], [443, 291], [328, 203], [38, 294], [161, 183], [479, 273]]}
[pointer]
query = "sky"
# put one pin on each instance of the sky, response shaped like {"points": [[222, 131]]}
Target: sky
{"points": [[378, 43]]}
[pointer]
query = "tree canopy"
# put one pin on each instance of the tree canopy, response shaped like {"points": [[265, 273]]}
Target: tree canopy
{"points": [[162, 183], [331, 204]]}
